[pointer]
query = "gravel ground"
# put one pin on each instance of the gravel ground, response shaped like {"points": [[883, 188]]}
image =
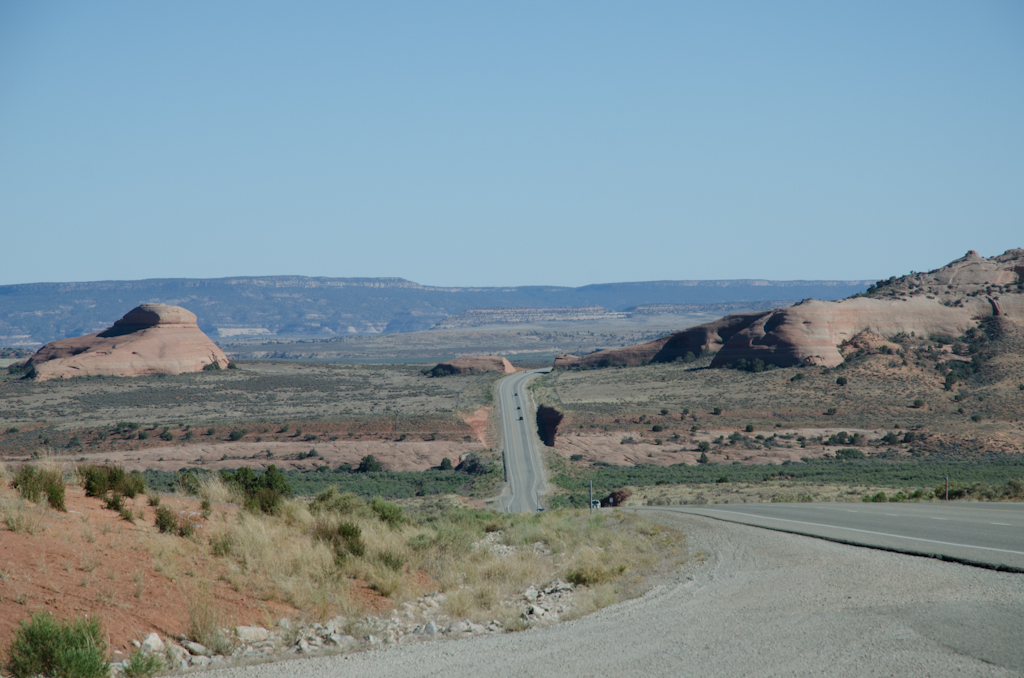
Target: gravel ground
{"points": [[750, 602]]}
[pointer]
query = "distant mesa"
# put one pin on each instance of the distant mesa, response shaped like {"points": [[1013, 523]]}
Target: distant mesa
{"points": [[947, 301], [149, 339], [473, 365]]}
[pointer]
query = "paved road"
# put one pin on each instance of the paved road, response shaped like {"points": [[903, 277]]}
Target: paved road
{"points": [[523, 466], [749, 602], [991, 535]]}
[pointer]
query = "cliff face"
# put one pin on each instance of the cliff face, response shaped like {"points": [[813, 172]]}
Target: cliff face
{"points": [[948, 301], [473, 365], [149, 339]]}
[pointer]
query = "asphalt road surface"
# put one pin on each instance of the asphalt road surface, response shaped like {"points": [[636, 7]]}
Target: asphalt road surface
{"points": [[985, 534], [748, 602], [523, 466]]}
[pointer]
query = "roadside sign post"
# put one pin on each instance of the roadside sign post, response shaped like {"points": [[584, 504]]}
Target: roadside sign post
{"points": [[947, 488], [591, 497]]}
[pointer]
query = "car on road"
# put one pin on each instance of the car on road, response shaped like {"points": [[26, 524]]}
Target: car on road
{"points": [[520, 418]]}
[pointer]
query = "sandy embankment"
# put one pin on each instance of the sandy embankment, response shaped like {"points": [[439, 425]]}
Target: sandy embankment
{"points": [[609, 448]]}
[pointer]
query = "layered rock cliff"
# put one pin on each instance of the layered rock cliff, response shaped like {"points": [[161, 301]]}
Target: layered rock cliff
{"points": [[473, 365], [948, 301], [149, 339]]}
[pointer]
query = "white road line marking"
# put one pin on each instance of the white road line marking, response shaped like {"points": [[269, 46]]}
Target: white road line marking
{"points": [[934, 518], [1007, 524], [880, 534]]}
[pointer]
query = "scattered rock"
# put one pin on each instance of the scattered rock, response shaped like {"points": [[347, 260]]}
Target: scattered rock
{"points": [[152, 644], [251, 634], [196, 648]]}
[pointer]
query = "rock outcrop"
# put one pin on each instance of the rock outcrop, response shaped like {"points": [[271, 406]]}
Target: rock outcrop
{"points": [[149, 339], [945, 301], [473, 365]]}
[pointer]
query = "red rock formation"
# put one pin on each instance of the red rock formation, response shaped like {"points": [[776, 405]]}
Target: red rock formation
{"points": [[948, 300], [473, 365], [149, 339]]}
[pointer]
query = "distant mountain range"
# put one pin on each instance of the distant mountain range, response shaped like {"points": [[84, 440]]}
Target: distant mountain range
{"points": [[298, 306]]}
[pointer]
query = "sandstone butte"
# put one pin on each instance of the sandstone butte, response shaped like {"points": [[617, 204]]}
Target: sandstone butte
{"points": [[149, 339], [474, 364], [948, 301]]}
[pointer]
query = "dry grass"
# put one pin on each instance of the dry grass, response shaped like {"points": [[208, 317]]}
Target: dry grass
{"points": [[312, 559], [213, 488], [19, 517]]}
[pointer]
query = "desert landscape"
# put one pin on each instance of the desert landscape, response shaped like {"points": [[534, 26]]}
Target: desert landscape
{"points": [[673, 340]]}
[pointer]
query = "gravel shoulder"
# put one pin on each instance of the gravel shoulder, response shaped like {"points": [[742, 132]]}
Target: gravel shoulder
{"points": [[749, 602]]}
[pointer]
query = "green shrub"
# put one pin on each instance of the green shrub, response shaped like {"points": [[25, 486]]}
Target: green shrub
{"points": [[335, 502], [43, 645], [186, 529], [141, 665], [263, 500], [849, 453], [446, 464], [390, 513], [880, 497], [841, 381], [166, 521], [391, 560], [115, 502], [704, 446], [657, 428], [345, 538], [236, 434], [144, 435], [34, 483], [167, 435], [99, 480], [369, 464], [717, 410], [749, 428], [575, 457], [128, 514]]}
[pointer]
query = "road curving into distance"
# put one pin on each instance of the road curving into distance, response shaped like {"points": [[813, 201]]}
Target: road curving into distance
{"points": [[983, 534], [524, 468]]}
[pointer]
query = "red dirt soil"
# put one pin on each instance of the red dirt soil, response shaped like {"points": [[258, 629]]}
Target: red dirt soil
{"points": [[89, 561]]}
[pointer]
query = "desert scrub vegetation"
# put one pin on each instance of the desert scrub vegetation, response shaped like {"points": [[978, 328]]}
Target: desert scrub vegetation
{"points": [[45, 646], [313, 554], [45, 481], [476, 475], [846, 468]]}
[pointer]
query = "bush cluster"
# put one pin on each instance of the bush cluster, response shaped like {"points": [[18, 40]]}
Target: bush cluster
{"points": [[263, 492], [45, 646], [33, 483], [100, 480]]}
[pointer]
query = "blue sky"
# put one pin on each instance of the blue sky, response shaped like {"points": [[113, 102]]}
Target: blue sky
{"points": [[508, 143]]}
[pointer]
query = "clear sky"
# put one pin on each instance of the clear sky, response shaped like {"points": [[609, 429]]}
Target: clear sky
{"points": [[510, 143]]}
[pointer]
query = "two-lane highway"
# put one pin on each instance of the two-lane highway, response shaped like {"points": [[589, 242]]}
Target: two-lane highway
{"points": [[987, 534], [524, 468]]}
